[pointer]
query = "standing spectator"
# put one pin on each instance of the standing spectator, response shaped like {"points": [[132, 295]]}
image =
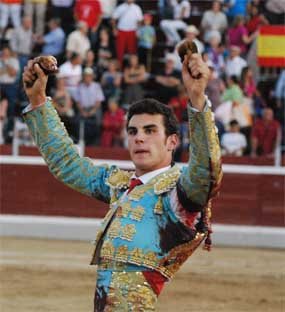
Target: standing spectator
{"points": [[89, 12], [111, 81], [108, 7], [238, 36], [21, 41], [247, 82], [89, 97], [170, 27], [214, 20], [105, 50], [53, 42], [10, 8], [134, 76], [235, 63], [37, 7], [146, 36], [275, 11], [77, 41], [112, 125], [127, 15], [71, 72], [265, 134], [63, 9], [9, 71], [167, 80], [215, 53], [256, 19], [214, 89], [234, 8], [233, 142]]}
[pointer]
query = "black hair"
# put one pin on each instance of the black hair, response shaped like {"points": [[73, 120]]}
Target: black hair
{"points": [[235, 79], [233, 123], [154, 107]]}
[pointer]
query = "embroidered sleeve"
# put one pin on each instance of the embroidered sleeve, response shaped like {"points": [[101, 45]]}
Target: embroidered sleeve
{"points": [[62, 157], [200, 180]]}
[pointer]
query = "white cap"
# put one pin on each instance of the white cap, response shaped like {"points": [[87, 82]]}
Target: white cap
{"points": [[192, 29]]}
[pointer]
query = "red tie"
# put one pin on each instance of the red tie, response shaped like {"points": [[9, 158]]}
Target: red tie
{"points": [[134, 183]]}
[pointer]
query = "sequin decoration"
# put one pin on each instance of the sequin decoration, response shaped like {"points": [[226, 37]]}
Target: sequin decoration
{"points": [[158, 208], [114, 229], [122, 253], [137, 213], [128, 232], [107, 250], [136, 256]]}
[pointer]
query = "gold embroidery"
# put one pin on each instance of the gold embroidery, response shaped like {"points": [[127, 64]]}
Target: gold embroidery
{"points": [[137, 213], [126, 208], [166, 181], [128, 232], [107, 250], [119, 179], [158, 208], [150, 259], [122, 253], [136, 256], [114, 229], [138, 192]]}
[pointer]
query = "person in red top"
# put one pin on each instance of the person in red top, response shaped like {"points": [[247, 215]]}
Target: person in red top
{"points": [[256, 19], [112, 126], [90, 12], [265, 134]]}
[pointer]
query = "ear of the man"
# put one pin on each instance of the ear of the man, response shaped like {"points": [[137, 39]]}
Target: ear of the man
{"points": [[172, 142]]}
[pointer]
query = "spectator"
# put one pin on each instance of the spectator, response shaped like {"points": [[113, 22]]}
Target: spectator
{"points": [[3, 116], [275, 11], [63, 104], [112, 125], [108, 7], [89, 97], [134, 77], [233, 90], [265, 134], [235, 63], [9, 71], [21, 41], [214, 89], [215, 53], [71, 72], [89, 12], [11, 9], [147, 37], [127, 16], [238, 36], [214, 20], [53, 42], [105, 50], [90, 62], [167, 80], [191, 34], [234, 8], [170, 27], [37, 7], [63, 10], [247, 82], [77, 41], [111, 81], [179, 103], [233, 142], [255, 19]]}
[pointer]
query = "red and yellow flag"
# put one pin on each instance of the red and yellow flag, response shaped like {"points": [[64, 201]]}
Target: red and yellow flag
{"points": [[271, 46]]}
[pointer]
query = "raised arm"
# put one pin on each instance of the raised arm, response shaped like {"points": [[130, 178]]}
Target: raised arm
{"points": [[200, 180], [55, 145]]}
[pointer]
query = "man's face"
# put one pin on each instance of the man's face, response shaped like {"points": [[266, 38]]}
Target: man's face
{"points": [[148, 145]]}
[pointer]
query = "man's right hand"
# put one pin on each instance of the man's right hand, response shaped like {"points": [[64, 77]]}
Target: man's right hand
{"points": [[35, 81]]}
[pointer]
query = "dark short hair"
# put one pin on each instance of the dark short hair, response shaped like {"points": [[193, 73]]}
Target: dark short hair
{"points": [[154, 107], [233, 123]]}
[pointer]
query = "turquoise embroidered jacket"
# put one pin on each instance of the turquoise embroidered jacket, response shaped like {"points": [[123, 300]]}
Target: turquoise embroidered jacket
{"points": [[157, 225]]}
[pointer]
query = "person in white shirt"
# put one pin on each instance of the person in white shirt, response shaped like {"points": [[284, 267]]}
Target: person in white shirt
{"points": [[126, 19], [181, 11], [235, 63], [233, 142], [78, 41]]}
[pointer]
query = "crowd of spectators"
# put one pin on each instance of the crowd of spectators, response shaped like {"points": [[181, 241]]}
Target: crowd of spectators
{"points": [[112, 53]]}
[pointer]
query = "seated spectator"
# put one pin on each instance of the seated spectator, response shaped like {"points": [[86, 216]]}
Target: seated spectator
{"points": [[215, 53], [191, 34], [89, 12], [256, 19], [77, 41], [63, 104], [237, 35], [265, 134], [134, 77], [170, 27], [88, 99], [233, 142], [105, 51], [146, 37], [63, 10], [214, 89], [235, 63], [235, 7], [233, 90], [167, 80], [112, 125], [111, 81], [37, 8], [89, 61], [53, 42], [71, 72], [10, 9], [214, 20], [9, 71], [247, 82]]}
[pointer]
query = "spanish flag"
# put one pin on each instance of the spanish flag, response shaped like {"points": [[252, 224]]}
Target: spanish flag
{"points": [[271, 46]]}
